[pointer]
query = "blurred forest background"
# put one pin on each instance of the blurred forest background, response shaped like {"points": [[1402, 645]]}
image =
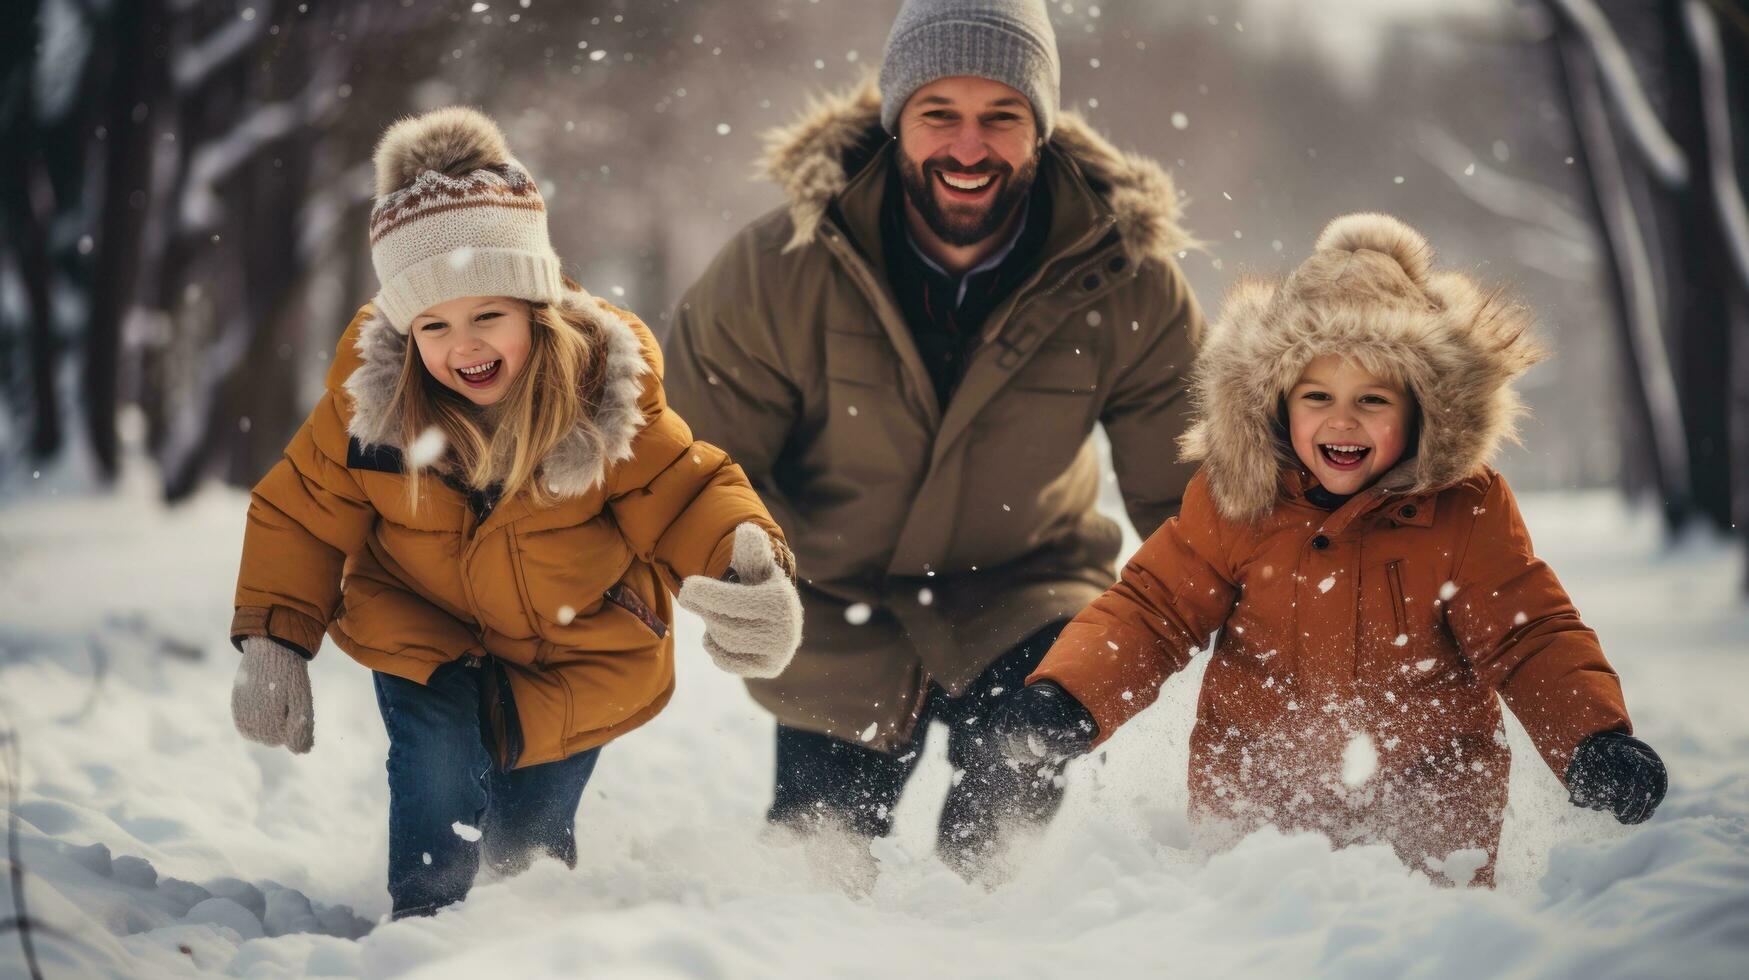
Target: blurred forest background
{"points": [[184, 185]]}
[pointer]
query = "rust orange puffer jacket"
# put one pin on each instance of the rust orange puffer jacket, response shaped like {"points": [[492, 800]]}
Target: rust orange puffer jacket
{"points": [[566, 606], [1393, 625]]}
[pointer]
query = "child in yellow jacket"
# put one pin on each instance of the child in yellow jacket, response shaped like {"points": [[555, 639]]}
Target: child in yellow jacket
{"points": [[489, 508]]}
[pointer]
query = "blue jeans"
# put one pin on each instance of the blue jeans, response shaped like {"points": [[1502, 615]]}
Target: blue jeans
{"points": [[819, 776], [449, 805]]}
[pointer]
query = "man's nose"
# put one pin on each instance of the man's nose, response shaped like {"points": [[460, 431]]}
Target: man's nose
{"points": [[968, 147]]}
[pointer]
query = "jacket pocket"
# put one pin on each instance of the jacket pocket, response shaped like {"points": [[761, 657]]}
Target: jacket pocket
{"points": [[1061, 368], [1394, 575], [560, 575], [498, 712], [624, 597], [861, 358]]}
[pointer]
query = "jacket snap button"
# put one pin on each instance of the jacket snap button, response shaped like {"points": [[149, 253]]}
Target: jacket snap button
{"points": [[1090, 283], [1320, 542], [1408, 512]]}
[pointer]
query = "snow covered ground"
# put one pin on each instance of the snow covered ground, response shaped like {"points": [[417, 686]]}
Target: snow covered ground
{"points": [[156, 842]]}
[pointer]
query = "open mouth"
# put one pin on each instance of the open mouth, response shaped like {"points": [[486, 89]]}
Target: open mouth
{"points": [[1343, 456], [480, 375], [965, 187]]}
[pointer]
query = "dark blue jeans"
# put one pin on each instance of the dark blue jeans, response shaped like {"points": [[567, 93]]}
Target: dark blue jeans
{"points": [[820, 777], [449, 805]]}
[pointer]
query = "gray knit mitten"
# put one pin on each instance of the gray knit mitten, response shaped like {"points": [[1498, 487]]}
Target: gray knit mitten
{"points": [[270, 699], [752, 622]]}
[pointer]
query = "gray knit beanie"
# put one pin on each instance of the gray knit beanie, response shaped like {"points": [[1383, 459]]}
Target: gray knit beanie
{"points": [[1007, 41]]}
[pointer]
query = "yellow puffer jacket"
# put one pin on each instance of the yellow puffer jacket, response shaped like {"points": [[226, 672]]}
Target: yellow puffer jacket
{"points": [[565, 606]]}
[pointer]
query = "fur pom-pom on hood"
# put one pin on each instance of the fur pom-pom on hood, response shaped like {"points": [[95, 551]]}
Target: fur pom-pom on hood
{"points": [[814, 158], [1368, 293], [454, 141]]}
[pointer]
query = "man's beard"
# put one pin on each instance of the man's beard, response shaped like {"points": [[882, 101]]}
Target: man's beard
{"points": [[960, 225]]}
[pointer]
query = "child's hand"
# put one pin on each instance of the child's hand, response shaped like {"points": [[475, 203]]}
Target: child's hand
{"points": [[1619, 773], [753, 617], [1042, 723], [270, 698]]}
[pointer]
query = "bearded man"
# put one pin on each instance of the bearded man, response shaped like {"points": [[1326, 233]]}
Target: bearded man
{"points": [[909, 359]]}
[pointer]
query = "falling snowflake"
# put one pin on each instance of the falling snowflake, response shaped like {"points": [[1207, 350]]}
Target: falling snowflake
{"points": [[427, 449]]}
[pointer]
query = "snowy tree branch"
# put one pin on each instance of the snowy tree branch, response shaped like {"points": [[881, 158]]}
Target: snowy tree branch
{"points": [[1703, 33], [211, 164], [194, 66], [1632, 107], [1627, 243], [1501, 193]]}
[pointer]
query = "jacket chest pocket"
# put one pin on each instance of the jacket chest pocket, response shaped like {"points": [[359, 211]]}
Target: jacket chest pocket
{"points": [[562, 577], [1035, 425], [1064, 367], [872, 433], [1403, 640]]}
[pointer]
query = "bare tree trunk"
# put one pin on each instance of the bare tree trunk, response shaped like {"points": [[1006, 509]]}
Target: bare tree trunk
{"points": [[1705, 286], [1653, 414], [23, 188], [136, 41]]}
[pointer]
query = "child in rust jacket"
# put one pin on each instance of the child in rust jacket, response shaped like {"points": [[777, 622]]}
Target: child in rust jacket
{"points": [[1369, 572]]}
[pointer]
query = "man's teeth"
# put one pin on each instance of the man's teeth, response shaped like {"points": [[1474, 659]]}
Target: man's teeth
{"points": [[479, 368], [964, 184]]}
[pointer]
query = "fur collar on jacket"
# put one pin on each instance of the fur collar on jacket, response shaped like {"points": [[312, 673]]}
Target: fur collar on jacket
{"points": [[813, 158], [1368, 293], [578, 462]]}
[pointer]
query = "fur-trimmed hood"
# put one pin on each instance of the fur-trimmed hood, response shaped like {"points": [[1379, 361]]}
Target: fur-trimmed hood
{"points": [[813, 158], [1369, 293], [579, 462]]}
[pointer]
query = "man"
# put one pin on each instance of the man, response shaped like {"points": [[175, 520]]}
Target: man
{"points": [[908, 360]]}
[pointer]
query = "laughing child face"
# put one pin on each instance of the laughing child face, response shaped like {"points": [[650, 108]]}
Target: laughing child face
{"points": [[475, 345], [1348, 426]]}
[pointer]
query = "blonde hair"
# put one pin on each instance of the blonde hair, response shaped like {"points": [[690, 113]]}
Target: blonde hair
{"points": [[503, 444]]}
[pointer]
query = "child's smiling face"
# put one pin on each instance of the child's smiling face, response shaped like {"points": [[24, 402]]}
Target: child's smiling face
{"points": [[475, 345], [1348, 425]]}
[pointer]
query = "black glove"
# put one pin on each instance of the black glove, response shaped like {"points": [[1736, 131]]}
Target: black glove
{"points": [[1042, 723], [1619, 773]]}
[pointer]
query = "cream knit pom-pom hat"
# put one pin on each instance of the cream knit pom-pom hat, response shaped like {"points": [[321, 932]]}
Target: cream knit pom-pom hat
{"points": [[455, 216]]}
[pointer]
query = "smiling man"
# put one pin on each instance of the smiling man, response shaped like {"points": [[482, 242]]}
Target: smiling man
{"points": [[909, 359]]}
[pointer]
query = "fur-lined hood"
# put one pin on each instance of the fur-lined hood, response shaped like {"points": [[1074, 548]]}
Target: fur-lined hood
{"points": [[579, 462], [1369, 293], [813, 158]]}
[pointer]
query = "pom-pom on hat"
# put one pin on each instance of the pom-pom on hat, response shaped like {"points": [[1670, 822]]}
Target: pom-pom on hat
{"points": [[456, 215]]}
